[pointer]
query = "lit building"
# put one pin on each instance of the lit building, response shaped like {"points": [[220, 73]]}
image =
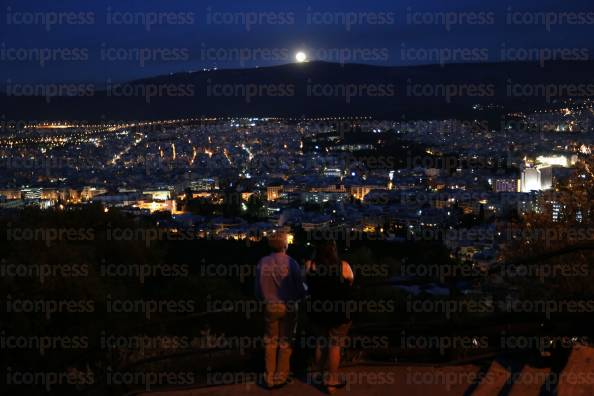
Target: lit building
{"points": [[50, 194], [318, 197], [204, 184], [88, 193], [559, 160], [162, 206], [69, 195], [506, 185], [31, 193], [11, 194], [158, 195], [546, 177], [273, 192], [536, 179], [530, 180], [361, 191], [332, 172], [556, 211]]}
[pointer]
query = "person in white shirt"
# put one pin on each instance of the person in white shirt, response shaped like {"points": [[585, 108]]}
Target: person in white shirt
{"points": [[279, 284]]}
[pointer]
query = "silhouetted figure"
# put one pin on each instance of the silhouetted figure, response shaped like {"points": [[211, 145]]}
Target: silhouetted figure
{"points": [[330, 282], [279, 283]]}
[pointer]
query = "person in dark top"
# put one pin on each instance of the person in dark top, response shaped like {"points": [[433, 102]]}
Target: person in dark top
{"points": [[329, 282]]}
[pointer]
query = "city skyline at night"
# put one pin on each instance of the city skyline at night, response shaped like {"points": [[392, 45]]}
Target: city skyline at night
{"points": [[296, 198]]}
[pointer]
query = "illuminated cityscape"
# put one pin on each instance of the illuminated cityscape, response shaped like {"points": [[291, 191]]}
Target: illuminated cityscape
{"points": [[298, 178], [296, 198]]}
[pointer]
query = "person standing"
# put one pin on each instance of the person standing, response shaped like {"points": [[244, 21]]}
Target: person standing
{"points": [[330, 281], [279, 284]]}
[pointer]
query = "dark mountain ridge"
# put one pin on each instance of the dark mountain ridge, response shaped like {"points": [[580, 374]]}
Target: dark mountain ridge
{"points": [[313, 89]]}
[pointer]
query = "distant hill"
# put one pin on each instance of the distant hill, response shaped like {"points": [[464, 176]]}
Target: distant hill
{"points": [[320, 89]]}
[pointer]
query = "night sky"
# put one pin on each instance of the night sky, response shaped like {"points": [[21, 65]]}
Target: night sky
{"points": [[196, 28]]}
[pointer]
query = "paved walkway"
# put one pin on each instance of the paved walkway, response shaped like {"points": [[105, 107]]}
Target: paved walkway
{"points": [[576, 379], [364, 381]]}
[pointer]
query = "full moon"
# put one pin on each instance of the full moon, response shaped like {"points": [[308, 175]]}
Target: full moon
{"points": [[300, 57]]}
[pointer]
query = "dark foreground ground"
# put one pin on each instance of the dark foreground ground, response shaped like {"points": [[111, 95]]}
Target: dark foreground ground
{"points": [[498, 378]]}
